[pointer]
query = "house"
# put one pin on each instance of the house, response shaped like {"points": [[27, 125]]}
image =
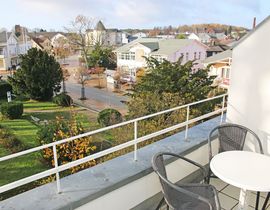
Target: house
{"points": [[24, 43], [56, 37], [108, 37], [201, 37], [205, 38], [130, 57], [215, 49], [140, 35], [194, 36], [221, 36], [8, 50], [220, 66], [36, 43]]}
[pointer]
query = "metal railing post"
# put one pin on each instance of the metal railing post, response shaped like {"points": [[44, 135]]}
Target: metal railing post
{"points": [[186, 133], [222, 111], [56, 166], [135, 139]]}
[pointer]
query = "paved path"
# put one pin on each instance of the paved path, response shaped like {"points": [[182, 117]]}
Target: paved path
{"points": [[97, 99]]}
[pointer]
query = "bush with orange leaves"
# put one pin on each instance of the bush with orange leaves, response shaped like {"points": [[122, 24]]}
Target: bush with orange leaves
{"points": [[70, 151]]}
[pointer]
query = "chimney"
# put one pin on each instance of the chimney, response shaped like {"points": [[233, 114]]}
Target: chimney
{"points": [[254, 22]]}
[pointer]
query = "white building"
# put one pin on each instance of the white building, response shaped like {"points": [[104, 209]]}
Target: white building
{"points": [[194, 37], [220, 66], [100, 34], [8, 50], [249, 92], [130, 57], [56, 37]]}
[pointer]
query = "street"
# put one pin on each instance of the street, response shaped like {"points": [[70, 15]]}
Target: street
{"points": [[97, 99]]}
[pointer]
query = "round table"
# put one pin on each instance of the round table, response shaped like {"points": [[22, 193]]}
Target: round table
{"points": [[243, 169]]}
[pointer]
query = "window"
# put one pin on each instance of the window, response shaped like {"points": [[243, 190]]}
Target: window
{"points": [[225, 73], [132, 55], [187, 56], [200, 55], [127, 56], [195, 55]]}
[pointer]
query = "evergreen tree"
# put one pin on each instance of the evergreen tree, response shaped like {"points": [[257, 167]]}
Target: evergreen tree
{"points": [[39, 77], [168, 84], [102, 57]]}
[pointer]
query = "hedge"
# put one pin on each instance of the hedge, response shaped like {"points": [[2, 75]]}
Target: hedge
{"points": [[12, 110], [62, 99]]}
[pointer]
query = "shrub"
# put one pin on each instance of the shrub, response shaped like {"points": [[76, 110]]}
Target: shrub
{"points": [[109, 117], [9, 141], [4, 87], [70, 151], [62, 99], [12, 110]]}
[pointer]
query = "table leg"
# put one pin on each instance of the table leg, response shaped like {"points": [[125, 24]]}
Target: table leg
{"points": [[243, 204]]}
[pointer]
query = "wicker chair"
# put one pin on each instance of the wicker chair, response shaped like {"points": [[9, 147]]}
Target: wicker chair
{"points": [[191, 196], [231, 137]]}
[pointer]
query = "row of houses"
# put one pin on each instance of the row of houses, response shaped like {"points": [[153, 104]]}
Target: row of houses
{"points": [[131, 57], [12, 46]]}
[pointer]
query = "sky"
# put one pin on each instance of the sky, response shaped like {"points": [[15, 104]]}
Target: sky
{"points": [[142, 14]]}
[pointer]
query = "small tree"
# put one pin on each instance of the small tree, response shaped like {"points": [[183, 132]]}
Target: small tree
{"points": [[82, 76], [39, 77], [109, 117], [70, 151], [66, 75], [102, 57]]}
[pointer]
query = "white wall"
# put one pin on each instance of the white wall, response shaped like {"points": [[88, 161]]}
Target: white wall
{"points": [[136, 192], [249, 92]]}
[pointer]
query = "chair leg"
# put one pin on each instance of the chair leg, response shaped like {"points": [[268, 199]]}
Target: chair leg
{"points": [[257, 201], [160, 203], [266, 201]]}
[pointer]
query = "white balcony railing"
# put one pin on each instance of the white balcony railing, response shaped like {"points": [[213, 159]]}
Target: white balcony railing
{"points": [[133, 142]]}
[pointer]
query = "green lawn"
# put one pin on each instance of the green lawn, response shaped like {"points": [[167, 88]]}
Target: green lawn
{"points": [[25, 130]]}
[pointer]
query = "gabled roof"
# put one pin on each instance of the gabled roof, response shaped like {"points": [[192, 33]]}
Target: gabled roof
{"points": [[170, 46], [252, 31], [218, 48], [6, 35], [151, 45], [203, 36], [100, 26], [48, 35], [126, 47], [38, 41], [160, 46], [219, 57]]}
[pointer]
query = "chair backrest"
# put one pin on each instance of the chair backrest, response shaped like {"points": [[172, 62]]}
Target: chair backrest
{"points": [[175, 196], [231, 137]]}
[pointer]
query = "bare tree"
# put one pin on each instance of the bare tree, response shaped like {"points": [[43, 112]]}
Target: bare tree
{"points": [[82, 76], [79, 35], [66, 75], [61, 49]]}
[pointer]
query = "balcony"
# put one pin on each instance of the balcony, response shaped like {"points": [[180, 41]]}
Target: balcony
{"points": [[128, 181]]}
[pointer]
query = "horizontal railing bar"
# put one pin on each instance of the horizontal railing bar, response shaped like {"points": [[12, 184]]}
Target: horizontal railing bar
{"points": [[166, 130], [52, 171], [179, 107], [101, 130]]}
